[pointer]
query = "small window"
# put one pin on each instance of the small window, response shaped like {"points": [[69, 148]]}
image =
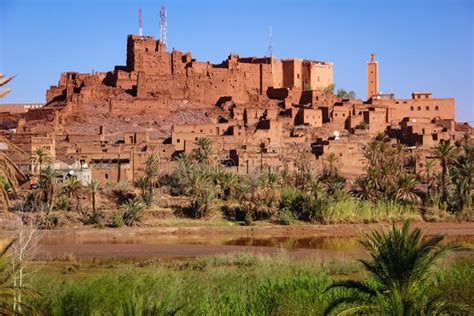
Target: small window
{"points": [[178, 140], [427, 108], [411, 108], [106, 176], [298, 76], [436, 108], [418, 108]]}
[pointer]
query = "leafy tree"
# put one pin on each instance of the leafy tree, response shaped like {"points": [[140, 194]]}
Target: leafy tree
{"points": [[446, 153], [151, 172], [199, 186], [401, 269], [343, 94]]}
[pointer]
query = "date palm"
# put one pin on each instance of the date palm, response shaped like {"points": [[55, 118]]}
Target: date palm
{"points": [[445, 152], [332, 159], [72, 189], [40, 157], [401, 269], [203, 152], [132, 210], [47, 185], [93, 187], [406, 191], [10, 174]]}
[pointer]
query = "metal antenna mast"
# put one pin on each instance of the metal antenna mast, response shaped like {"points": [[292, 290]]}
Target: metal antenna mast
{"points": [[270, 44], [140, 26], [163, 14]]}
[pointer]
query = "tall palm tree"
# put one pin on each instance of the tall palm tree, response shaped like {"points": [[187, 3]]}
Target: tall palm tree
{"points": [[142, 184], [47, 185], [151, 172], [40, 157], [401, 269], [445, 152], [72, 189], [93, 187]]}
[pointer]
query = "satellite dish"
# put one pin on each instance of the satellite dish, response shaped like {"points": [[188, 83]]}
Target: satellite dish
{"points": [[336, 135]]}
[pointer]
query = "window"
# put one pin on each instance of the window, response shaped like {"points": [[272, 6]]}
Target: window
{"points": [[178, 140], [411, 108], [418, 108], [106, 176], [427, 108], [436, 108]]}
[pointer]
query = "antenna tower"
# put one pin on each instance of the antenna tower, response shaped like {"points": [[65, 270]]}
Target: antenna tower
{"points": [[140, 27], [163, 23]]}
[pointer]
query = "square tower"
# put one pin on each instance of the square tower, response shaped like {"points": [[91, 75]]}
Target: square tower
{"points": [[372, 77]]}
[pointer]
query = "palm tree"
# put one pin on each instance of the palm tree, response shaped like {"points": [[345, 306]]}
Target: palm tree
{"points": [[40, 157], [10, 174], [132, 211], [204, 151], [151, 172], [142, 184], [9, 293], [72, 189], [406, 191], [201, 190], [47, 184], [401, 269], [445, 152], [93, 187], [4, 81], [331, 159]]}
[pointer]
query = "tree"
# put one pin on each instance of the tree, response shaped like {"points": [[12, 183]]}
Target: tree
{"points": [[203, 152], [401, 269], [72, 189], [406, 191], [9, 291], [40, 157], [9, 173], [343, 94], [142, 183], [132, 211], [199, 186], [47, 185], [93, 187], [446, 153], [4, 81], [332, 159]]}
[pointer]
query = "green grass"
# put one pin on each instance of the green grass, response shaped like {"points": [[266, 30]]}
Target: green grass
{"points": [[354, 210], [221, 285]]}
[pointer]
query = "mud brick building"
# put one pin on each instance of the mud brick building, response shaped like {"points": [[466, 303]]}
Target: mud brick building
{"points": [[260, 112]]}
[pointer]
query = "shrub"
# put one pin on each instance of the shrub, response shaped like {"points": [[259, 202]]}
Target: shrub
{"points": [[248, 219], [284, 217], [92, 217], [117, 220]]}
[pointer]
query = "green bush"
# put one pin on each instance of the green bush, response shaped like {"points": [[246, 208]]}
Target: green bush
{"points": [[117, 220]]}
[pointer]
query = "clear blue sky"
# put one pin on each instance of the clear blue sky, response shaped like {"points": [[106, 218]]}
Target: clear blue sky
{"points": [[420, 45]]}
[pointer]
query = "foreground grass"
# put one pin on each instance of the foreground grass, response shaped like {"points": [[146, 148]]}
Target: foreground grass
{"points": [[220, 285]]}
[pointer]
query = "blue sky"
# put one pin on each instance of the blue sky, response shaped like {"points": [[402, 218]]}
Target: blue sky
{"points": [[421, 45]]}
